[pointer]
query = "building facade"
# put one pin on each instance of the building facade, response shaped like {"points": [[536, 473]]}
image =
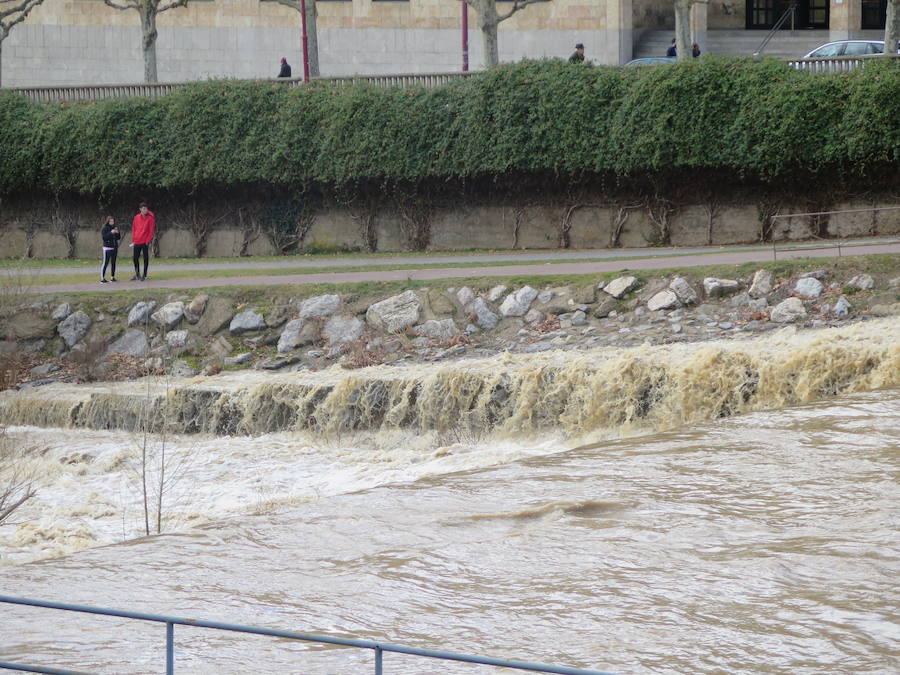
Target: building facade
{"points": [[71, 42]]}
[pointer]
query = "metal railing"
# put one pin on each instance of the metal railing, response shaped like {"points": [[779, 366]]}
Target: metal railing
{"points": [[99, 92], [837, 64], [379, 648], [837, 245], [789, 12]]}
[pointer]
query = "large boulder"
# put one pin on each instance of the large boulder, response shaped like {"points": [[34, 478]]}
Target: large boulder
{"points": [[139, 315], [395, 313], [28, 325], [518, 302], [663, 300], [441, 330], [218, 314], [465, 295], [863, 282], [73, 328], [842, 307], [318, 307], [683, 289], [341, 329], [61, 312], [195, 308], [246, 322], [169, 314], [718, 288], [296, 333], [482, 314], [762, 284], [133, 342], [619, 287], [788, 311], [809, 287], [496, 293], [440, 303], [177, 338]]}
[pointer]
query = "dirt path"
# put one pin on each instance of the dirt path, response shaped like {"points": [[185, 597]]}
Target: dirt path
{"points": [[651, 260]]}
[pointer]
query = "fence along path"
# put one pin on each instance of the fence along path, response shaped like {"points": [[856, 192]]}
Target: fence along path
{"points": [[99, 92]]}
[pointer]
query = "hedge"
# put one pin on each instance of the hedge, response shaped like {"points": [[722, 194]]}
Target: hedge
{"points": [[745, 119]]}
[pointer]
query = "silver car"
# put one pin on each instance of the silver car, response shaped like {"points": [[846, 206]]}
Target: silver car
{"points": [[847, 48]]}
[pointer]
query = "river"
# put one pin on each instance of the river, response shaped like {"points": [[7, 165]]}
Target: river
{"points": [[762, 542]]}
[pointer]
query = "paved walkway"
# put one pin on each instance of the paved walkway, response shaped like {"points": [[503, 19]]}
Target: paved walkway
{"points": [[555, 262]]}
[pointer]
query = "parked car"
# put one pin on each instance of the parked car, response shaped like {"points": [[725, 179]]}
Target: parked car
{"points": [[651, 61], [847, 48]]}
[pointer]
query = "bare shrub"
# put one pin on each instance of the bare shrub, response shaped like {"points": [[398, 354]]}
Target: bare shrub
{"points": [[358, 355], [16, 482], [87, 358]]}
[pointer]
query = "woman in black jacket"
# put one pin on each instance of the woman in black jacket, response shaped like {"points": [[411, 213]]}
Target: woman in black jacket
{"points": [[110, 235]]}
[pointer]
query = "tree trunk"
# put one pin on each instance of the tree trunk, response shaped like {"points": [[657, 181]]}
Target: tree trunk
{"points": [[312, 39], [892, 27], [148, 40], [2, 37], [683, 29], [488, 22]]}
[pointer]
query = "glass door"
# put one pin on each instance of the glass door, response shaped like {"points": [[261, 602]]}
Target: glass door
{"points": [[874, 13]]}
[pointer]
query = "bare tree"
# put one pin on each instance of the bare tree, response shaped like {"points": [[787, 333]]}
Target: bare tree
{"points": [[16, 484], [683, 43], [892, 27], [488, 20], [312, 37], [148, 11], [13, 12]]}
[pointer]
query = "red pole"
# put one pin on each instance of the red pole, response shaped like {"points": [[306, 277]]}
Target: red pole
{"points": [[304, 40], [465, 35]]}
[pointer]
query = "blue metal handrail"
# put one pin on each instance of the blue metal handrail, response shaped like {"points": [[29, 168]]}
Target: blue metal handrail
{"points": [[377, 647]]}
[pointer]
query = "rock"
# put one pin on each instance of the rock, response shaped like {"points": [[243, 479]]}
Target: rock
{"points": [[758, 304], [420, 342], [73, 328], [863, 282], [683, 289], [181, 368], [820, 275], [726, 325], [676, 328], [246, 322], [718, 288], [139, 315], [663, 300], [603, 308], [195, 308], [534, 316], [44, 369], [892, 309], [586, 295], [264, 340], [842, 307], [279, 363], [762, 284], [315, 353], [318, 307], [537, 347], [439, 303], [177, 338], [518, 302], [238, 359], [441, 330], [465, 295], [484, 317], [133, 342], [341, 329], [276, 317], [545, 296], [579, 318], [220, 347], [217, 315], [894, 283], [809, 287], [472, 329], [169, 314], [290, 336], [28, 325], [61, 312], [395, 313], [788, 311], [496, 293], [36, 383], [617, 288]]}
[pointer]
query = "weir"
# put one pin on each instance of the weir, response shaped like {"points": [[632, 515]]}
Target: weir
{"points": [[617, 390]]}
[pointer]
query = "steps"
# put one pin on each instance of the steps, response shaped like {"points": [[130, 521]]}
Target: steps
{"points": [[785, 44]]}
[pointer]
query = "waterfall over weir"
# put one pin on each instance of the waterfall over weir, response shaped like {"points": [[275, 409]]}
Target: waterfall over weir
{"points": [[578, 393]]}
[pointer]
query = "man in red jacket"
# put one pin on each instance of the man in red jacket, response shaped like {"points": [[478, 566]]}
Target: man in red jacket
{"points": [[143, 227]]}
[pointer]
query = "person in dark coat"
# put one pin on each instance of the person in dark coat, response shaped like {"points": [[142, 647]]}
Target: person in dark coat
{"points": [[285, 68], [578, 56], [672, 51], [695, 50], [110, 236]]}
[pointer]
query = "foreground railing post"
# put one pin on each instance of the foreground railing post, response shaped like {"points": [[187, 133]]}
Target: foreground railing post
{"points": [[170, 648], [379, 654]]}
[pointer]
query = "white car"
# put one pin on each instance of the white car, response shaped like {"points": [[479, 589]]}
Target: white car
{"points": [[847, 48]]}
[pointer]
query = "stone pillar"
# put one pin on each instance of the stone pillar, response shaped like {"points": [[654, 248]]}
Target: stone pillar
{"points": [[699, 23], [619, 29], [844, 19]]}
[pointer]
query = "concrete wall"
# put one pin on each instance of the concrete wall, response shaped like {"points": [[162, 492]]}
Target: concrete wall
{"points": [[72, 42], [486, 226]]}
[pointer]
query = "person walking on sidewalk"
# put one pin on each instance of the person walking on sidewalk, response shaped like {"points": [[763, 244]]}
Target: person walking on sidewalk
{"points": [[110, 235], [143, 227]]}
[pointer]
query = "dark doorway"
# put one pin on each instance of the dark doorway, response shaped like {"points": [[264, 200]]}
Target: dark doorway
{"points": [[809, 13], [874, 14]]}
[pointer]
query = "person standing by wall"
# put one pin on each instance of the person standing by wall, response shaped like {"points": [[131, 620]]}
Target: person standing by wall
{"points": [[110, 235], [578, 56], [143, 227]]}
